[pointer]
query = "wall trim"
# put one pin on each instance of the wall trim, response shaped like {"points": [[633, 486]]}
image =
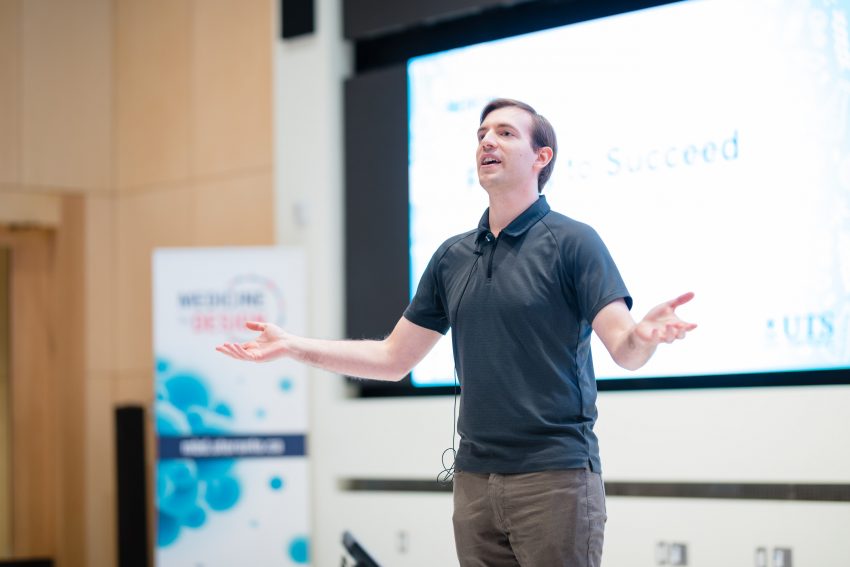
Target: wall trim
{"points": [[825, 492]]}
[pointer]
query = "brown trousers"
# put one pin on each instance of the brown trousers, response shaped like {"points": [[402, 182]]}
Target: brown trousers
{"points": [[542, 519]]}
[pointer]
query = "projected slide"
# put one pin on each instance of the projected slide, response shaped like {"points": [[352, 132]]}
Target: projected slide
{"points": [[708, 142]]}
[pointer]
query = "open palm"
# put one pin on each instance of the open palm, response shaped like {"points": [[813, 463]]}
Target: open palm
{"points": [[662, 325], [267, 346]]}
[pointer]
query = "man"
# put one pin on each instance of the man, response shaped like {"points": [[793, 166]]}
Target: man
{"points": [[521, 294]]}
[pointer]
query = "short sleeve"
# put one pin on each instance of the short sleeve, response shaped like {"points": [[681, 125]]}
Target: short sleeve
{"points": [[427, 308], [597, 281]]}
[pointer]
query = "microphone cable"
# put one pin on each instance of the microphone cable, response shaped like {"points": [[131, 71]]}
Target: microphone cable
{"points": [[446, 475]]}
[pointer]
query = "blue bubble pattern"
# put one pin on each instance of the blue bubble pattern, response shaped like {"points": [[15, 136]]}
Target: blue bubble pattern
{"points": [[188, 490]]}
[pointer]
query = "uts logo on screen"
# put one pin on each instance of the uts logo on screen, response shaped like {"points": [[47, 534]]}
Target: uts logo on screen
{"points": [[810, 329], [247, 297]]}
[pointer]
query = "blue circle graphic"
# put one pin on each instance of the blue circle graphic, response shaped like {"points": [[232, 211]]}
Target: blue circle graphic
{"points": [[185, 390], [222, 493], [299, 550], [168, 528], [196, 518]]}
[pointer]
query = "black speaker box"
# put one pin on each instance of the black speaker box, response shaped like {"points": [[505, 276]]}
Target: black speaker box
{"points": [[297, 18], [132, 487]]}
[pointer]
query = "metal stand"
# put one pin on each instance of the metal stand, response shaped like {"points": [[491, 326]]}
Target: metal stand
{"points": [[361, 558]]}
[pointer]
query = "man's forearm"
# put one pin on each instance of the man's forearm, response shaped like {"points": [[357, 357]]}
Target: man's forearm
{"points": [[632, 344], [633, 352], [388, 359], [362, 359]]}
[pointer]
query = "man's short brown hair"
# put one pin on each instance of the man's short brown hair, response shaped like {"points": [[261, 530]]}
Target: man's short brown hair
{"points": [[542, 133]]}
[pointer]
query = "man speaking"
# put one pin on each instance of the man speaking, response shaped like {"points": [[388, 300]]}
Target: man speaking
{"points": [[521, 293]]}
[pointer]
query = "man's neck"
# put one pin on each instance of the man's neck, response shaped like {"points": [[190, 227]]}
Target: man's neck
{"points": [[506, 206]]}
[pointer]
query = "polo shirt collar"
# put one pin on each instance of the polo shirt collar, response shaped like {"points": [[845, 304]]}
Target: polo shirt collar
{"points": [[519, 225]]}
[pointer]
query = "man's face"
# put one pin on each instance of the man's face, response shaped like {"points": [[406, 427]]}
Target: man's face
{"points": [[505, 156]]}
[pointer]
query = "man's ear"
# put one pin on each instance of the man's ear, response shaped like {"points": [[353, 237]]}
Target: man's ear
{"points": [[544, 156]]}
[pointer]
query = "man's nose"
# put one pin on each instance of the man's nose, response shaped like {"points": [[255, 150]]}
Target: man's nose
{"points": [[487, 142]]}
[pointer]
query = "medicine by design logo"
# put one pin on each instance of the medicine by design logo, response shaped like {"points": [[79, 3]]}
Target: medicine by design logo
{"points": [[246, 297]]}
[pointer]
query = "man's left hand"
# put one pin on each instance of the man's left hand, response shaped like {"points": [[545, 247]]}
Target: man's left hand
{"points": [[662, 325]]}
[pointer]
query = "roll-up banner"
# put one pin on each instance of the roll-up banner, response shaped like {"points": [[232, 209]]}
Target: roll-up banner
{"points": [[231, 472]]}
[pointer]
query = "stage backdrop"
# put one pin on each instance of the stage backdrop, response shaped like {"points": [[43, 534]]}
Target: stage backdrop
{"points": [[231, 475]]}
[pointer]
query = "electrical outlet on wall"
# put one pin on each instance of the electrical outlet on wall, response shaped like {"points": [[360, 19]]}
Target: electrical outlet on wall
{"points": [[678, 554], [402, 541], [761, 557], [782, 557], [671, 553], [661, 551]]}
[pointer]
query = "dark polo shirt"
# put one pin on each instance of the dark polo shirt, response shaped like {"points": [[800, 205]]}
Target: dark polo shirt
{"points": [[520, 307]]}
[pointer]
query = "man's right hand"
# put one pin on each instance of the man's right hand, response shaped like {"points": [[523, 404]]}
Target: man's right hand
{"points": [[268, 346]]}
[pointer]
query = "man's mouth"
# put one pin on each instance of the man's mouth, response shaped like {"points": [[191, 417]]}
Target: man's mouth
{"points": [[489, 160]]}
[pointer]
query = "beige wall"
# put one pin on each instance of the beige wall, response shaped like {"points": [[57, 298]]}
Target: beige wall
{"points": [[127, 125], [5, 421]]}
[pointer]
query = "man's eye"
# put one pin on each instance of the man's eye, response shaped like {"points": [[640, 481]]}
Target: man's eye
{"points": [[506, 133]]}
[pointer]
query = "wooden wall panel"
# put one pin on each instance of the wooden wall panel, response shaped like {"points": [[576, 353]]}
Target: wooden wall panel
{"points": [[100, 488], [152, 91], [34, 445], [68, 380], [66, 94], [101, 291], [146, 221], [124, 125], [10, 54], [47, 388], [30, 209], [235, 211], [101, 345], [5, 407], [232, 85]]}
